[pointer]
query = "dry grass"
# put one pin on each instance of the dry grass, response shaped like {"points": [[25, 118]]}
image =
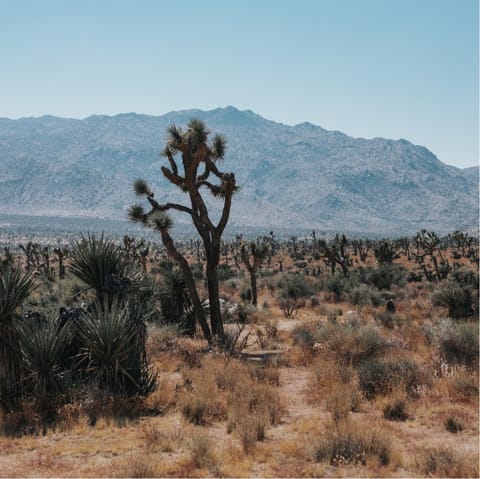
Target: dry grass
{"points": [[304, 417], [441, 461]]}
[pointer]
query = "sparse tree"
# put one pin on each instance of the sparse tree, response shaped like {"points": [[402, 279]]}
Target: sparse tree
{"points": [[258, 252], [199, 157]]}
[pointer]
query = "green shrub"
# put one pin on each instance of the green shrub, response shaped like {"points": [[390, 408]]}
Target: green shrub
{"points": [[458, 299], [383, 375], [362, 295], [303, 336], [350, 343], [336, 284], [388, 320], [386, 275], [295, 286], [459, 344]]}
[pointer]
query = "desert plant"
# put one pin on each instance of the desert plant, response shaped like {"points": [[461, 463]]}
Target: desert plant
{"points": [[175, 302], [396, 410], [200, 448], [115, 351], [382, 375], [385, 252], [454, 424], [258, 252], [196, 151], [42, 347], [350, 444], [459, 343], [386, 275], [441, 461], [350, 344], [15, 287], [362, 295], [102, 266], [458, 300]]}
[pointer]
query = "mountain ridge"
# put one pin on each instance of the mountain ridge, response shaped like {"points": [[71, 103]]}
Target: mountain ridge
{"points": [[300, 175]]}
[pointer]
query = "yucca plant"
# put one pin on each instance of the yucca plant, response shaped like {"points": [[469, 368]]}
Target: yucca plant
{"points": [[42, 347], [115, 351], [103, 267], [175, 302], [15, 287]]}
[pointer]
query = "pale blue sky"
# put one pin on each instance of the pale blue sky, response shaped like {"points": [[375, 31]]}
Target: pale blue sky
{"points": [[391, 68]]}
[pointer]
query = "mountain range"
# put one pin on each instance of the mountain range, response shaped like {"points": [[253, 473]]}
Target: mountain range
{"points": [[300, 176]]}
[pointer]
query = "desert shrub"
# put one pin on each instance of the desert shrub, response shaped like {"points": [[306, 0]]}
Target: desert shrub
{"points": [[113, 408], [362, 295], [465, 277], [387, 320], [200, 449], [341, 400], [250, 429], [454, 424], [266, 374], [351, 444], [245, 313], [135, 467], [303, 336], [23, 420], [314, 301], [443, 462], [349, 343], [458, 299], [246, 294], [336, 284], [114, 347], [225, 272], [174, 299], [382, 375], [464, 384], [42, 348], [204, 404], [386, 275], [295, 286], [396, 410], [459, 343]]}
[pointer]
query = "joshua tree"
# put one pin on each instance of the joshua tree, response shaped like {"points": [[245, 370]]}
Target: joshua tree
{"points": [[61, 253], [258, 251], [385, 252], [336, 253], [196, 152]]}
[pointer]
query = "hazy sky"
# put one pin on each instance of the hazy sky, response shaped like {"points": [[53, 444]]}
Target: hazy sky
{"points": [[391, 68]]}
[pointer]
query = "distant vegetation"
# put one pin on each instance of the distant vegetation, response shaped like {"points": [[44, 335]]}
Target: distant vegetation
{"points": [[294, 354]]}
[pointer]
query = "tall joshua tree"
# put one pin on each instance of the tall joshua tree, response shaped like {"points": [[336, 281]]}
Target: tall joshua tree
{"points": [[199, 156]]}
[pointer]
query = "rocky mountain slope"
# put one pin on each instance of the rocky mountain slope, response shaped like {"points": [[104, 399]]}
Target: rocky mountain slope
{"points": [[291, 176]]}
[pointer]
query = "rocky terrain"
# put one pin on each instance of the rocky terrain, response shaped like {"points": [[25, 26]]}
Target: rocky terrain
{"points": [[300, 176]]}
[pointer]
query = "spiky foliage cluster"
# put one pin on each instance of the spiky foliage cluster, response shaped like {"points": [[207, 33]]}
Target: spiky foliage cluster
{"points": [[43, 347], [111, 347], [117, 323], [101, 266], [15, 287], [174, 298]]}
